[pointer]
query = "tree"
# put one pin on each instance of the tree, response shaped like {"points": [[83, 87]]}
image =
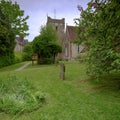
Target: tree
{"points": [[46, 44], [101, 32], [54, 50], [27, 52], [11, 24], [14, 17], [7, 42]]}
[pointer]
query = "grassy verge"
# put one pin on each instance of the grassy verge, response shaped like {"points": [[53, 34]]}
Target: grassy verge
{"points": [[17, 96], [12, 67], [75, 98]]}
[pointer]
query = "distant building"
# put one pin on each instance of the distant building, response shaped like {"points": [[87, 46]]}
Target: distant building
{"points": [[71, 49], [20, 43], [59, 26], [66, 38]]}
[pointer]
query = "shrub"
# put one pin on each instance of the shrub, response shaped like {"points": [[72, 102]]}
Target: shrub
{"points": [[27, 52], [81, 57], [18, 57], [7, 60], [46, 61], [17, 96], [26, 56]]}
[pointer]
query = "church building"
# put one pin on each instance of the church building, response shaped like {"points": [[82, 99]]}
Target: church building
{"points": [[59, 26], [66, 38]]}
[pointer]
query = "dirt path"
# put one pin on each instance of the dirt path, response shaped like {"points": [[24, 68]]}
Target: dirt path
{"points": [[23, 67]]}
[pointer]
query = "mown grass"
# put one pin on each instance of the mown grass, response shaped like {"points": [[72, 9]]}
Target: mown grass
{"points": [[75, 98], [12, 67]]}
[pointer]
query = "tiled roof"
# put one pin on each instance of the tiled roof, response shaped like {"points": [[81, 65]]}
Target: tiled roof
{"points": [[19, 40], [72, 32]]}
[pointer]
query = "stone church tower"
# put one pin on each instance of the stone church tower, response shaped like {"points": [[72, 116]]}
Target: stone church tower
{"points": [[59, 25]]}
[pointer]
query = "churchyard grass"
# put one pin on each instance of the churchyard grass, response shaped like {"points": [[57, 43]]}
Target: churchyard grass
{"points": [[12, 67], [76, 98]]}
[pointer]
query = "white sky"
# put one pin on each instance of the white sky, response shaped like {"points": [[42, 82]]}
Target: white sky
{"points": [[37, 10]]}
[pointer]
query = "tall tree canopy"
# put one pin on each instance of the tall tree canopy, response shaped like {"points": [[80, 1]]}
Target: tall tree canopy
{"points": [[14, 16], [12, 23], [46, 44], [99, 28], [27, 52]]}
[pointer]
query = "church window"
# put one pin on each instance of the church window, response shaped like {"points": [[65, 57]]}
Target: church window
{"points": [[56, 28]]}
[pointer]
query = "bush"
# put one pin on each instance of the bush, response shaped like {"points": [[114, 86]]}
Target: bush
{"points": [[18, 57], [81, 57], [10, 59], [7, 60], [26, 56], [47, 61], [27, 52], [17, 96]]}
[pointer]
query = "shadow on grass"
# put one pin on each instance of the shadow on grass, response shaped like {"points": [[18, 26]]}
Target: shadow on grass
{"points": [[107, 81]]}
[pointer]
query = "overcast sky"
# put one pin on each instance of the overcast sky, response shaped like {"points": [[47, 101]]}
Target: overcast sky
{"points": [[37, 10]]}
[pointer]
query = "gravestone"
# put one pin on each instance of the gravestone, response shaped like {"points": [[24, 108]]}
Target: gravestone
{"points": [[62, 71]]}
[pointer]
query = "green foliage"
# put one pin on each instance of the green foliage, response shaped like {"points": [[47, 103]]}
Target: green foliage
{"points": [[18, 57], [17, 96], [81, 57], [14, 17], [7, 60], [46, 44], [99, 29], [27, 52], [6, 47], [12, 23], [7, 36]]}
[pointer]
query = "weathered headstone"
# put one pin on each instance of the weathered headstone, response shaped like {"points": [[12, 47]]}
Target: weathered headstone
{"points": [[62, 71]]}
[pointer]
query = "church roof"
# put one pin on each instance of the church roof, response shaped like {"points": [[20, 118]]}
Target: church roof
{"points": [[72, 32], [21, 41]]}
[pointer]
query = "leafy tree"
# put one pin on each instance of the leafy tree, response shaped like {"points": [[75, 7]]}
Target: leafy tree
{"points": [[54, 50], [101, 32], [7, 43], [27, 52], [46, 43], [5, 34], [11, 24], [14, 17]]}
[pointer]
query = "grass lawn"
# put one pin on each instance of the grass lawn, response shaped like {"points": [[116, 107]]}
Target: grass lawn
{"points": [[12, 67], [75, 98]]}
